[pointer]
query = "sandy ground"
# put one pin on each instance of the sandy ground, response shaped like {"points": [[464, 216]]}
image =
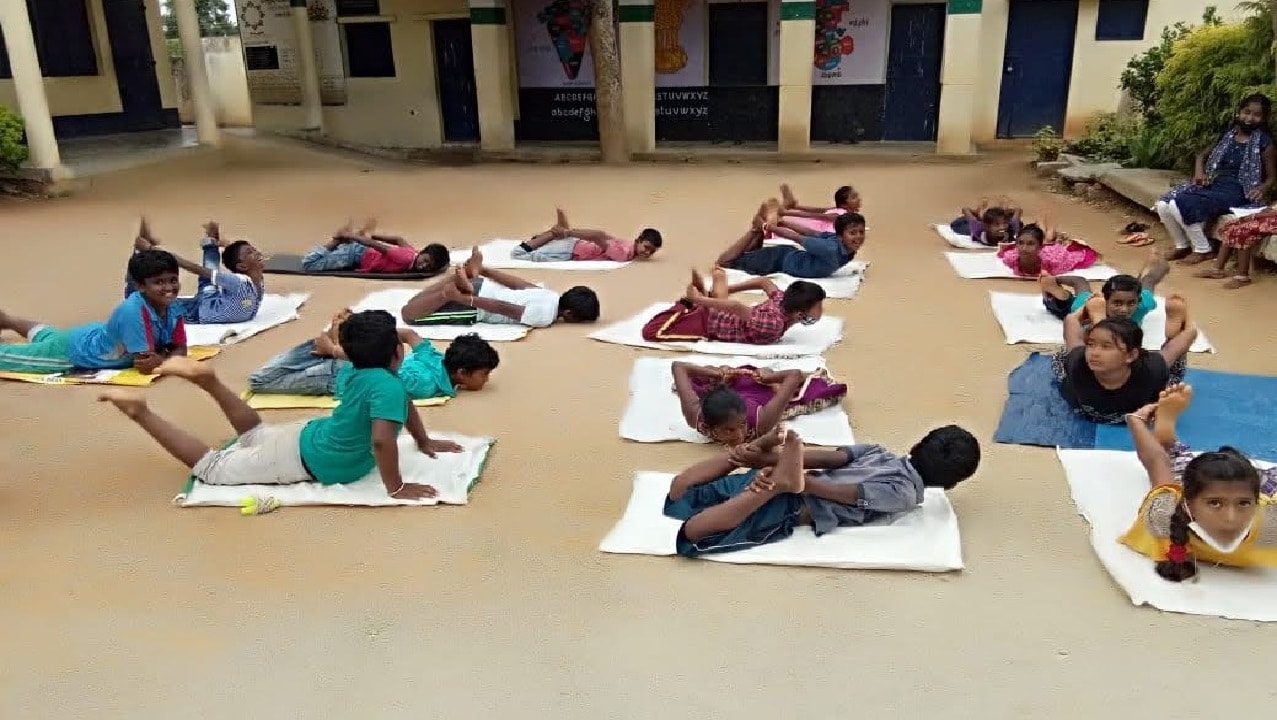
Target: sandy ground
{"points": [[116, 605]]}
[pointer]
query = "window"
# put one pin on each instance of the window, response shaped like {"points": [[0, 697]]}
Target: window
{"points": [[1121, 20], [63, 39], [368, 50], [356, 8]]}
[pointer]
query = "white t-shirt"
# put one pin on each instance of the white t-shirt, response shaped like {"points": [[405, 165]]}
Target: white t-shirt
{"points": [[540, 306]]}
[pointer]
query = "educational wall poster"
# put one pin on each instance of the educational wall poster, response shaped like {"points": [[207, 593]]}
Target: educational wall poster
{"points": [[851, 42], [552, 43], [680, 32], [270, 51]]}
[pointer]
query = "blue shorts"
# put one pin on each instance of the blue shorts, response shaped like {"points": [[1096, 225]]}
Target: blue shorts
{"points": [[765, 260], [770, 523]]}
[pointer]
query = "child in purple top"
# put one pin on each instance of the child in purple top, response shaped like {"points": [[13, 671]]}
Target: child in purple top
{"points": [[990, 225]]}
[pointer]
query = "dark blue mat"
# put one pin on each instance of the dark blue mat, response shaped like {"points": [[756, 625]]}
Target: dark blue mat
{"points": [[1035, 414]]}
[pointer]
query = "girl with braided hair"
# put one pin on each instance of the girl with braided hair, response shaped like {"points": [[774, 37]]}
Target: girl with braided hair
{"points": [[734, 405], [1215, 506]]}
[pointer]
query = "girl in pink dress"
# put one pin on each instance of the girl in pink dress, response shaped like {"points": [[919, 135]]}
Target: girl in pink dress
{"points": [[1035, 252]]}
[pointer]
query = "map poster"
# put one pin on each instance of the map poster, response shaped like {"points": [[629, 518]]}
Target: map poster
{"points": [[552, 43]]}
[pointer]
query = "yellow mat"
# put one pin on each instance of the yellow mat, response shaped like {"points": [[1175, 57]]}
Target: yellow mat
{"points": [[130, 377], [272, 401]]}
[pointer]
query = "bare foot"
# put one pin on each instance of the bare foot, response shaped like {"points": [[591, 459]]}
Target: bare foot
{"points": [[1211, 274], [369, 226], [787, 197], [1177, 320], [461, 282], [141, 243], [561, 219], [1194, 258], [771, 217], [144, 241], [788, 475], [698, 280], [771, 440], [718, 276], [130, 402], [473, 264], [324, 346], [1172, 403], [1051, 286], [187, 368], [760, 218], [1097, 309], [214, 231], [1237, 281]]}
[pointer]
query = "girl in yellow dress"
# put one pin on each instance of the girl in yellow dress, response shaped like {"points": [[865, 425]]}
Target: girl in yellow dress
{"points": [[1215, 507]]}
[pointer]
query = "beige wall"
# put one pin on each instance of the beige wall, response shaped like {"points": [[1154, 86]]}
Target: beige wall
{"points": [[99, 94], [224, 60]]}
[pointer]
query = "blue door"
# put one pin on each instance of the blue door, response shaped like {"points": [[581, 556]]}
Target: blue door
{"points": [[912, 107], [454, 69], [1036, 66]]}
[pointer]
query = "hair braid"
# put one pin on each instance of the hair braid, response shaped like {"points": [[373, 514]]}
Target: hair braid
{"points": [[1178, 570]]}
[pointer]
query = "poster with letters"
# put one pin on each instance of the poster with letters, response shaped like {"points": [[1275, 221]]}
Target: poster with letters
{"points": [[851, 42], [270, 51]]}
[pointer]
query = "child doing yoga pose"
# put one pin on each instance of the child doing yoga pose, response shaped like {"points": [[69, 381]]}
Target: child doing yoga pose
{"points": [[990, 226], [715, 316], [319, 367], [141, 332], [1125, 296], [819, 255], [360, 435], [1215, 506], [228, 296], [562, 242], [809, 219], [1035, 253], [366, 251], [734, 405], [1104, 371], [724, 511], [477, 293]]}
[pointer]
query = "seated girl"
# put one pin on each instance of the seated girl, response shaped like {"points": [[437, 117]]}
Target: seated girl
{"points": [[1239, 170], [1216, 506], [817, 219], [319, 367], [1244, 236], [1035, 251], [734, 405], [990, 226], [1104, 372]]}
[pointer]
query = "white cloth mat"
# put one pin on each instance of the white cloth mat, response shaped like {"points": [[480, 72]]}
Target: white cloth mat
{"points": [[964, 242], [800, 341], [653, 414], [1108, 487], [496, 254], [987, 265], [842, 284], [452, 474], [925, 540], [275, 310], [1025, 320], [392, 301], [1241, 212]]}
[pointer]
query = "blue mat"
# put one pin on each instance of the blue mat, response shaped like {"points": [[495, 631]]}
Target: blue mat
{"points": [[1227, 409]]}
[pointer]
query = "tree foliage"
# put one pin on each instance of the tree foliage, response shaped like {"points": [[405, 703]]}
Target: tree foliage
{"points": [[1139, 79], [13, 151], [214, 15]]}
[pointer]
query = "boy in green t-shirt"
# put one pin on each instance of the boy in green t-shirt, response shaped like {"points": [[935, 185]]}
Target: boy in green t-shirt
{"points": [[362, 432]]}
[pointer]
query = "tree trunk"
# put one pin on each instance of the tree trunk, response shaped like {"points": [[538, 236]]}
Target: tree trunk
{"points": [[1272, 11], [607, 83]]}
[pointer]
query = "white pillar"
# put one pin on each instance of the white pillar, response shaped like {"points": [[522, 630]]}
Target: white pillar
{"points": [[188, 31], [308, 65], [28, 81], [638, 68], [495, 87]]}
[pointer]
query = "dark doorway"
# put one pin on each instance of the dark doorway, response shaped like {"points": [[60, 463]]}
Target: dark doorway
{"points": [[914, 58], [454, 69], [130, 37], [742, 107], [1036, 67]]}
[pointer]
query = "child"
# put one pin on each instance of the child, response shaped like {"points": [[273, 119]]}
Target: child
{"points": [[734, 405], [1035, 253], [854, 485], [990, 226], [820, 255], [1243, 236], [1216, 506], [477, 293], [816, 220], [319, 367], [222, 297], [361, 434], [714, 316], [1124, 295], [564, 242], [1104, 371], [366, 252], [141, 332]]}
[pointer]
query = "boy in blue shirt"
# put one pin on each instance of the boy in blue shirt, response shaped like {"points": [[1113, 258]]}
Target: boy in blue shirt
{"points": [[228, 296], [360, 435], [141, 333], [820, 256]]}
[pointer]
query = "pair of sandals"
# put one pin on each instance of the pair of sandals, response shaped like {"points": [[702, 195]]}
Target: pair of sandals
{"points": [[1135, 234]]}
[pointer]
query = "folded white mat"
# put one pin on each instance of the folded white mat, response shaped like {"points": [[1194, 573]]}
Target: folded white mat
{"points": [[275, 310], [987, 265], [800, 341], [842, 284], [496, 254], [925, 540], [653, 414], [392, 301], [964, 242], [1108, 487], [1025, 320], [452, 474]]}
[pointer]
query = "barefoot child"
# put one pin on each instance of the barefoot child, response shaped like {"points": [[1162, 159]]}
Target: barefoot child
{"points": [[1124, 295], [734, 405], [222, 297], [1242, 237], [820, 255], [562, 242], [494, 296], [815, 220], [723, 511], [1215, 506], [141, 332], [361, 434], [1035, 253], [715, 316], [1104, 371], [320, 367], [990, 226], [366, 251]]}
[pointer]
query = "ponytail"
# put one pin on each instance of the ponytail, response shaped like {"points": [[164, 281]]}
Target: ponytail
{"points": [[1179, 564]]}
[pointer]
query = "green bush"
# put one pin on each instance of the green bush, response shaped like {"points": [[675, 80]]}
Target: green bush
{"points": [[1139, 79], [1108, 138], [13, 151]]}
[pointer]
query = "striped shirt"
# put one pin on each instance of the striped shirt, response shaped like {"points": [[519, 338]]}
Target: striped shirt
{"points": [[227, 298]]}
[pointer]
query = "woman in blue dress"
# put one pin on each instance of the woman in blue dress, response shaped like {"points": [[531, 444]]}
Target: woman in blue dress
{"points": [[1238, 171]]}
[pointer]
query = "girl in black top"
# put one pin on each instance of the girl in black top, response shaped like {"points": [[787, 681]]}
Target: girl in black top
{"points": [[1104, 371]]}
